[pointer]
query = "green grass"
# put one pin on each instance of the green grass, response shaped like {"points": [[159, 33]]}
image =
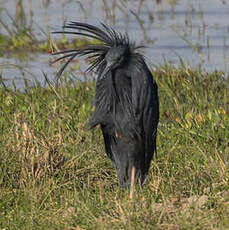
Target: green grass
{"points": [[22, 44], [19, 40], [54, 173]]}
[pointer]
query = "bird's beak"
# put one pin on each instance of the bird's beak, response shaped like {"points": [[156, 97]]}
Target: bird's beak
{"points": [[106, 70]]}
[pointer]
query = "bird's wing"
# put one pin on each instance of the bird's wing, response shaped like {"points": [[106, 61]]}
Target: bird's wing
{"points": [[145, 105]]}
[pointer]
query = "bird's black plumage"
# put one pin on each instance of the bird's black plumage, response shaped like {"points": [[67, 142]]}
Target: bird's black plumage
{"points": [[126, 99]]}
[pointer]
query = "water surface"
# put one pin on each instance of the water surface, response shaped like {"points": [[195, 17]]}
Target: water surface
{"points": [[196, 31]]}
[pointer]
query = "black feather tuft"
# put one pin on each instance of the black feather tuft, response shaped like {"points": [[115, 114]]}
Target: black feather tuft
{"points": [[96, 53]]}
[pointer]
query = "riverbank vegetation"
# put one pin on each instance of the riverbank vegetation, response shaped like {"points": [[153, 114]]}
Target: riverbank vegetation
{"points": [[54, 173]]}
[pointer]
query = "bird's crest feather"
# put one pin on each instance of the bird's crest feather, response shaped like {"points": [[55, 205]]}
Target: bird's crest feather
{"points": [[106, 35]]}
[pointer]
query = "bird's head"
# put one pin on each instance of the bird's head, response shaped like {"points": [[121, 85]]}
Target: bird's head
{"points": [[115, 57]]}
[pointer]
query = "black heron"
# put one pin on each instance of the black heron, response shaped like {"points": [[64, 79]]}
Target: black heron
{"points": [[126, 99]]}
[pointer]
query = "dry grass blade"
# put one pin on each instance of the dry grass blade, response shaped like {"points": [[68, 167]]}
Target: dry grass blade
{"points": [[132, 185]]}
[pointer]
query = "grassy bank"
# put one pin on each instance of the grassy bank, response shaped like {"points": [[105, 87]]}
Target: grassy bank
{"points": [[54, 173]]}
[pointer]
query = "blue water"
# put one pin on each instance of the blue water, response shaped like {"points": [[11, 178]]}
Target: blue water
{"points": [[205, 23]]}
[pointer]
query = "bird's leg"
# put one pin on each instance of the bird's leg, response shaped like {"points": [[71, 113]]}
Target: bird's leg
{"points": [[116, 134]]}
